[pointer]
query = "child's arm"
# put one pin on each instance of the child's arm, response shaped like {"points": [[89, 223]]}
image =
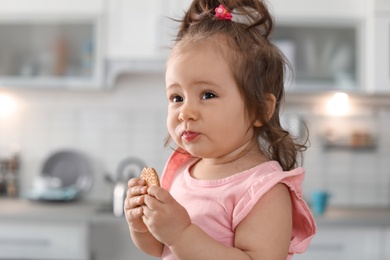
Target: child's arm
{"points": [[264, 234], [139, 232]]}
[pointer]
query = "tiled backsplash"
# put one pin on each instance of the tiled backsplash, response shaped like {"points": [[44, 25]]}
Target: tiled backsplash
{"points": [[354, 177], [130, 121]]}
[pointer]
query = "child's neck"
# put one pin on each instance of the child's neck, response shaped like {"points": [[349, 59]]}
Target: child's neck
{"points": [[240, 160]]}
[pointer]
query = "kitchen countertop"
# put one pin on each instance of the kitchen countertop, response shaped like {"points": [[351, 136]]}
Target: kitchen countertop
{"points": [[354, 216], [19, 209]]}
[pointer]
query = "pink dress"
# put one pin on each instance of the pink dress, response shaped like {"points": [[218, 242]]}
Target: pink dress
{"points": [[218, 206]]}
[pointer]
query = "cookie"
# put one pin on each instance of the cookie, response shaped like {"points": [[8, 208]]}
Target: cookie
{"points": [[150, 176]]}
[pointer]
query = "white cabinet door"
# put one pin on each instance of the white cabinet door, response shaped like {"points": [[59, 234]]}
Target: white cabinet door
{"points": [[387, 243], [317, 9], [135, 29], [44, 240], [111, 240], [344, 244], [51, 44], [382, 53], [177, 8], [382, 5], [50, 7], [51, 51]]}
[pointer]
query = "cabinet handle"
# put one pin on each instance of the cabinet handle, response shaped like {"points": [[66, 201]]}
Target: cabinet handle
{"points": [[25, 242], [326, 247]]}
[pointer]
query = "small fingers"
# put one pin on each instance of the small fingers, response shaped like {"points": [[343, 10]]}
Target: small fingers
{"points": [[160, 194], [134, 214], [137, 212], [151, 202], [133, 202], [136, 182], [137, 187], [136, 191]]}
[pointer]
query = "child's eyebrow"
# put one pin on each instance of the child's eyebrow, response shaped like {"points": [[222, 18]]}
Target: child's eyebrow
{"points": [[194, 83], [208, 83], [172, 86]]}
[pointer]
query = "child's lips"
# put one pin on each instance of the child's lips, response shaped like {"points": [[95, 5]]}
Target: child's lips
{"points": [[189, 136]]}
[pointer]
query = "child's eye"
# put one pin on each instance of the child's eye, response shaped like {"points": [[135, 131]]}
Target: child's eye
{"points": [[176, 99], [208, 95]]}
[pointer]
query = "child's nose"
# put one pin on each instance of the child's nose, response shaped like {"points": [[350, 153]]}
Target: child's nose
{"points": [[188, 112]]}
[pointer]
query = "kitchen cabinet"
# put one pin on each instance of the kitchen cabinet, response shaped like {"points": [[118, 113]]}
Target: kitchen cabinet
{"points": [[142, 30], [324, 42], [110, 239], [136, 33], [335, 45], [177, 8], [51, 44], [323, 56], [351, 243], [387, 243], [135, 29], [382, 5], [20, 8], [140, 35], [315, 10], [37, 239], [382, 52]]}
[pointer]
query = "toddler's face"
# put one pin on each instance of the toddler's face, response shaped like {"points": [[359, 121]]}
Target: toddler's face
{"points": [[206, 113]]}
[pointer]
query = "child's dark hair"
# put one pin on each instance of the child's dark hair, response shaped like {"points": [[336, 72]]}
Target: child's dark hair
{"points": [[257, 66]]}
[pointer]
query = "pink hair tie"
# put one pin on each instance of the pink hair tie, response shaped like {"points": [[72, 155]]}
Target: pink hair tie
{"points": [[222, 13]]}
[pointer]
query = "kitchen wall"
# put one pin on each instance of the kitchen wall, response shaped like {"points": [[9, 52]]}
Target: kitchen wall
{"points": [[129, 120], [108, 126], [353, 176]]}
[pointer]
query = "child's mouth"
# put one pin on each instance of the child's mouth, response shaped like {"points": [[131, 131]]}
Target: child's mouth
{"points": [[189, 136]]}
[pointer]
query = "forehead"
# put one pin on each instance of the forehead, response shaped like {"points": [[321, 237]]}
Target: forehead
{"points": [[201, 65], [210, 51], [216, 44], [196, 64]]}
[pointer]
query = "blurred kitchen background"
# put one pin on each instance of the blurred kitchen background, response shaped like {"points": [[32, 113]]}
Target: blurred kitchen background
{"points": [[83, 107]]}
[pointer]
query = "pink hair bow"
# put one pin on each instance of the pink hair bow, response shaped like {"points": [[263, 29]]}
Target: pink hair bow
{"points": [[222, 13]]}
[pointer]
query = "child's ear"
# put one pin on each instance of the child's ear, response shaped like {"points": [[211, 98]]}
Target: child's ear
{"points": [[271, 103], [257, 123]]}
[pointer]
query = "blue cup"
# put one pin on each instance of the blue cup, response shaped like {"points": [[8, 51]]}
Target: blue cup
{"points": [[319, 202]]}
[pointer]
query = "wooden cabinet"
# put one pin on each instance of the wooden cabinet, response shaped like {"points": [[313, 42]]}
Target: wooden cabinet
{"points": [[44, 240], [352, 243]]}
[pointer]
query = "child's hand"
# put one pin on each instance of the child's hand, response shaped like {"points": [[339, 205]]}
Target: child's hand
{"points": [[165, 218], [133, 202]]}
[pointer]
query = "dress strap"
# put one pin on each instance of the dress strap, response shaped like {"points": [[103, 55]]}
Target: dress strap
{"points": [[172, 167]]}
